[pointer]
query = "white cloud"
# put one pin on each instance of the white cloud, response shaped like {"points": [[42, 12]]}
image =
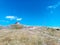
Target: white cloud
{"points": [[13, 18], [10, 17], [19, 19], [54, 6], [51, 8]]}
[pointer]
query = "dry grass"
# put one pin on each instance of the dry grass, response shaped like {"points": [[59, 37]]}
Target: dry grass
{"points": [[29, 37]]}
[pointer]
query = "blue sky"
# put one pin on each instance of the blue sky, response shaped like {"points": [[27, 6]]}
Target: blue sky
{"points": [[30, 12]]}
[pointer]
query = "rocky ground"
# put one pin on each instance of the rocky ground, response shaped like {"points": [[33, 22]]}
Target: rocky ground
{"points": [[30, 36]]}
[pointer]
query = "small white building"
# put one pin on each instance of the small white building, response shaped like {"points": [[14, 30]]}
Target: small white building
{"points": [[17, 23]]}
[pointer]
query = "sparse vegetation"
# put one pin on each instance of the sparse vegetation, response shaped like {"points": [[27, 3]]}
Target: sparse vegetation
{"points": [[16, 26], [29, 37], [1, 27]]}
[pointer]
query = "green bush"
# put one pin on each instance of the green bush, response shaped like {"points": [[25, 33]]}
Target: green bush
{"points": [[1, 27], [16, 26]]}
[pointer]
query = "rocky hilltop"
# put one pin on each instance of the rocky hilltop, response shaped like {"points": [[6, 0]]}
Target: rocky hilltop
{"points": [[29, 35]]}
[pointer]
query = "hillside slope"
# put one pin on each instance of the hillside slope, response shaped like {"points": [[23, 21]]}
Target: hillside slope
{"points": [[30, 36]]}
